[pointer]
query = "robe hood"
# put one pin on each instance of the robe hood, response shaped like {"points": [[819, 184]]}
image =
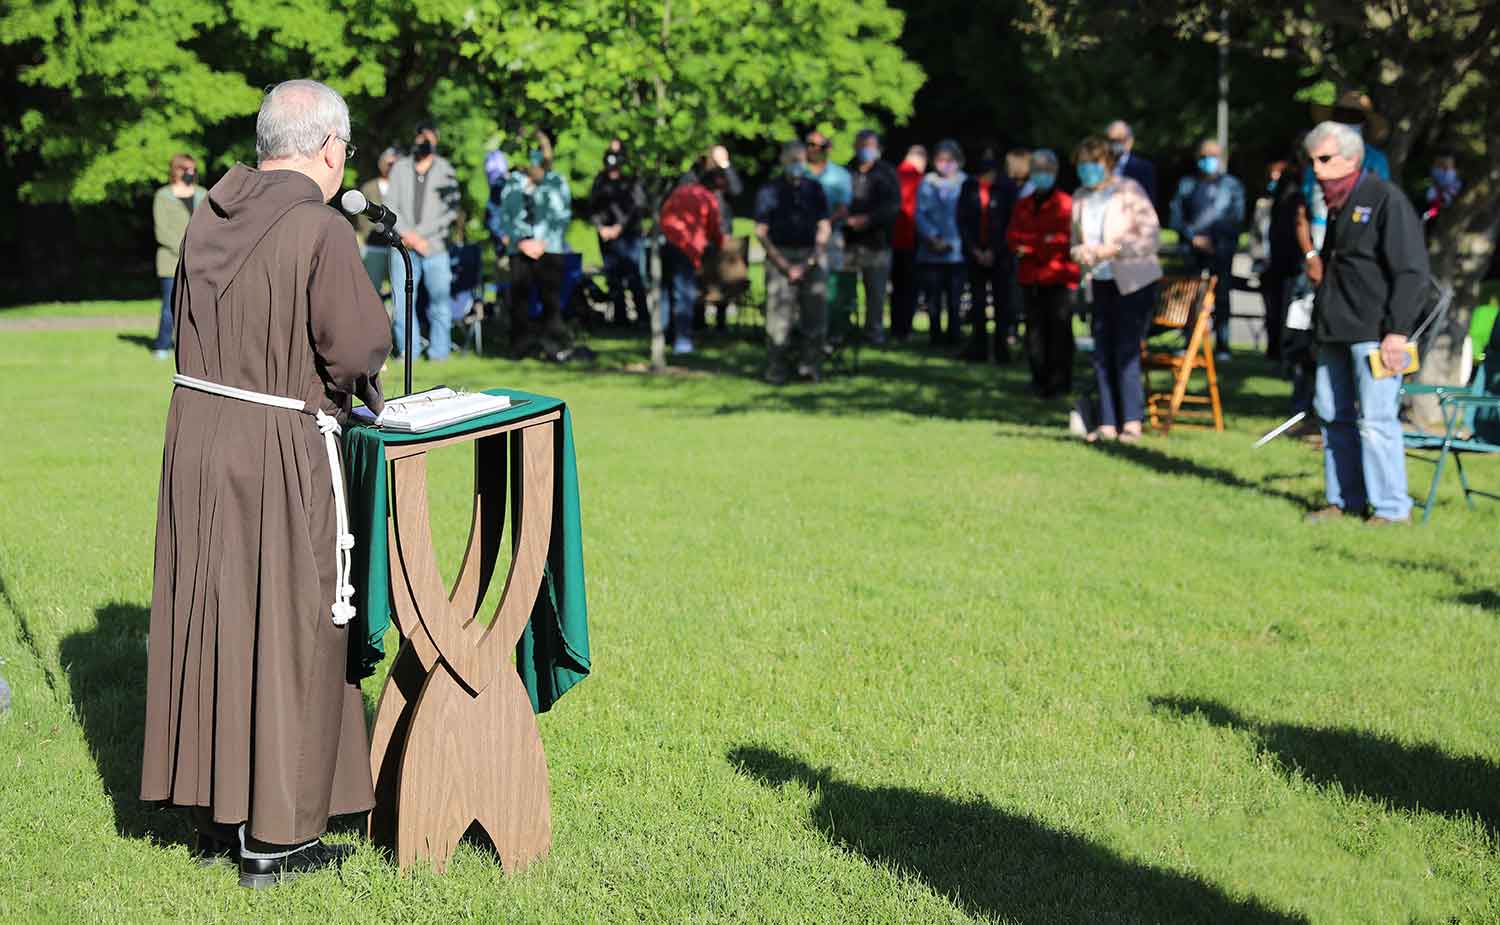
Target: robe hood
{"points": [[242, 207]]}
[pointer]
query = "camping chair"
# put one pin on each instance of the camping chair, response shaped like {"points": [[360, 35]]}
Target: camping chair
{"points": [[1186, 304], [1471, 413]]}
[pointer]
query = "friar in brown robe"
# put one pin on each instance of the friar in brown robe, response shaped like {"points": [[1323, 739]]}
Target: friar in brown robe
{"points": [[250, 716]]}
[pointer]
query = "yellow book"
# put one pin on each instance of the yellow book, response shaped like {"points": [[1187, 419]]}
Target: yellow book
{"points": [[1377, 366]]}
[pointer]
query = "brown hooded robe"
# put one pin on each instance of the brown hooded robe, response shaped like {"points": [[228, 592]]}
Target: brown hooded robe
{"points": [[248, 708]]}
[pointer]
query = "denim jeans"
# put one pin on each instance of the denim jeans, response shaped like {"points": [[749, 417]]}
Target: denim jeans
{"points": [[679, 289], [164, 327], [622, 271], [1363, 456], [1220, 265], [1119, 322], [434, 272]]}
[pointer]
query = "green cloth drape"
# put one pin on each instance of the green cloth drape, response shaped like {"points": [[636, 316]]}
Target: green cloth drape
{"points": [[553, 652]]}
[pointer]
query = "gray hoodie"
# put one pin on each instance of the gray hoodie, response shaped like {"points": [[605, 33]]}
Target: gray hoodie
{"points": [[433, 216]]}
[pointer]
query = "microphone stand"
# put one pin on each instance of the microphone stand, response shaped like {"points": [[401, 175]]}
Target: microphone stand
{"points": [[388, 234]]}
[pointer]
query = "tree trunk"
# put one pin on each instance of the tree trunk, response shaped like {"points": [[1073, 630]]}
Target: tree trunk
{"points": [[1461, 252]]}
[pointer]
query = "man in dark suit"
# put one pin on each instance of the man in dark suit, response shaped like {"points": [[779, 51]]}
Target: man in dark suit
{"points": [[1127, 162]]}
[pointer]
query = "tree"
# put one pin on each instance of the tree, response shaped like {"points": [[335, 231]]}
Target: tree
{"points": [[1424, 63]]}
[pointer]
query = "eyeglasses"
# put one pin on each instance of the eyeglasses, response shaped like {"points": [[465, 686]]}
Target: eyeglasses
{"points": [[1324, 158], [349, 148]]}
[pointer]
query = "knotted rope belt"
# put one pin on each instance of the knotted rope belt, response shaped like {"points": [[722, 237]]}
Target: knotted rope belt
{"points": [[328, 426]]}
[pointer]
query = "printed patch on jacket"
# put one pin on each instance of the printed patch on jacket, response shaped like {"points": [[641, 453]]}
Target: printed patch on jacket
{"points": [[1361, 215]]}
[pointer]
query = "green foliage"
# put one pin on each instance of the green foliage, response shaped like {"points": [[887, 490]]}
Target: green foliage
{"points": [[112, 88]]}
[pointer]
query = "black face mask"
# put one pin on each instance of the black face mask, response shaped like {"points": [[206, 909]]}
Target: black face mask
{"points": [[421, 149], [190, 177]]}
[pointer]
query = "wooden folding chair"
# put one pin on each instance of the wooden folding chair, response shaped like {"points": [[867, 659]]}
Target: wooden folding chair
{"points": [[1186, 304]]}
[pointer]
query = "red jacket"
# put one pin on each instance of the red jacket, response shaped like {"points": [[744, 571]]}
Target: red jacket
{"points": [[690, 220], [904, 232], [1044, 228]]}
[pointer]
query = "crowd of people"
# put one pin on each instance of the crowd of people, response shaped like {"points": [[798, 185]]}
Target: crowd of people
{"points": [[994, 250]]}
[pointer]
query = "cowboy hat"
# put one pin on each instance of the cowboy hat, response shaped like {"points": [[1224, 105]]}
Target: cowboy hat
{"points": [[1355, 108]]}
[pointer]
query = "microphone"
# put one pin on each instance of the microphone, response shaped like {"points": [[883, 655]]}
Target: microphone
{"points": [[354, 203]]}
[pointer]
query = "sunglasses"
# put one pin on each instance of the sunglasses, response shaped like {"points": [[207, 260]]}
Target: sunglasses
{"points": [[1324, 158]]}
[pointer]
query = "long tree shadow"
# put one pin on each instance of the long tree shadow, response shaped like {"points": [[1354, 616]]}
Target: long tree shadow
{"points": [[996, 863], [1421, 778], [106, 669]]}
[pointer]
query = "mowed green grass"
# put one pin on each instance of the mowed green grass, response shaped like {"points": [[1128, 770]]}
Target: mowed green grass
{"points": [[887, 649]]}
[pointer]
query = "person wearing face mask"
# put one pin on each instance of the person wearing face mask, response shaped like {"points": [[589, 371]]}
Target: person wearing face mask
{"points": [[617, 203], [1039, 234], [838, 188], [984, 207], [1115, 234], [1445, 185], [1128, 163], [792, 224], [1375, 273], [1208, 212], [171, 208], [535, 211], [904, 283], [875, 201], [940, 252], [424, 194], [252, 723], [377, 257]]}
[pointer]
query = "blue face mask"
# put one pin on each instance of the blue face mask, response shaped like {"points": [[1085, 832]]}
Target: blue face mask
{"points": [[867, 155], [1445, 176], [1091, 173], [796, 170], [1043, 181], [1208, 165]]}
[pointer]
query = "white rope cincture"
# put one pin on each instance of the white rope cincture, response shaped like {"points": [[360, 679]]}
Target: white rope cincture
{"points": [[328, 426]]}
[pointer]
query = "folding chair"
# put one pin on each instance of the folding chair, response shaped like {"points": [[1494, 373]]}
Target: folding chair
{"points": [[1186, 304], [1471, 412]]}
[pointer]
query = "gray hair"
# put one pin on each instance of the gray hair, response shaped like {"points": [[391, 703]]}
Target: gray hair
{"points": [[296, 118], [1129, 132], [1044, 157], [792, 150], [1351, 145]]}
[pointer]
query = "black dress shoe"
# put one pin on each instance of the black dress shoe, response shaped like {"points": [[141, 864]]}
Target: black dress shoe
{"points": [[211, 851], [258, 873]]}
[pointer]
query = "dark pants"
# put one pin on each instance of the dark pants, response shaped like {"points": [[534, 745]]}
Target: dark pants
{"points": [[679, 290], [1119, 325], [545, 276], [1049, 339], [903, 292], [1220, 265], [622, 271], [1273, 292], [164, 327], [943, 285], [991, 285]]}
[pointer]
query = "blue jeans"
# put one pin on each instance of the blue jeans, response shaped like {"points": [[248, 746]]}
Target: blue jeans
{"points": [[1119, 322], [679, 289], [435, 272], [1363, 456], [164, 328], [943, 283], [622, 271]]}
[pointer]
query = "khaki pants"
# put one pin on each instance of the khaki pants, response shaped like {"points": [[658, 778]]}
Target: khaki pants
{"points": [[803, 304]]}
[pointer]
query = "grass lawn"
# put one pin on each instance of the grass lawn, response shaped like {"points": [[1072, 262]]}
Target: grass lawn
{"points": [[887, 649]]}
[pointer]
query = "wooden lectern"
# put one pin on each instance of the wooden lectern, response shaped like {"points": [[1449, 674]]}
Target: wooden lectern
{"points": [[455, 741]]}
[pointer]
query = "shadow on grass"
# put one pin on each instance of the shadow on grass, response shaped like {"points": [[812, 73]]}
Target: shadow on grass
{"points": [[994, 863], [146, 341], [1143, 454], [1412, 777], [106, 668]]}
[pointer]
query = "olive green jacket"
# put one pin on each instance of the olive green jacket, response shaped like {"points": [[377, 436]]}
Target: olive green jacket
{"points": [[171, 221]]}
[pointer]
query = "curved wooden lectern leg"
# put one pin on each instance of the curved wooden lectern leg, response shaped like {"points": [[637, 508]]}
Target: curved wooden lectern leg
{"points": [[387, 739], [473, 759]]}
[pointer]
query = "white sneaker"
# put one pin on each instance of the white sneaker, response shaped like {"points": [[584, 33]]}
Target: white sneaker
{"points": [[1222, 356], [161, 354], [682, 345]]}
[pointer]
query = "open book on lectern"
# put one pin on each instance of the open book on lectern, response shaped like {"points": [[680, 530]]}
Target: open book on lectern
{"points": [[420, 412]]}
